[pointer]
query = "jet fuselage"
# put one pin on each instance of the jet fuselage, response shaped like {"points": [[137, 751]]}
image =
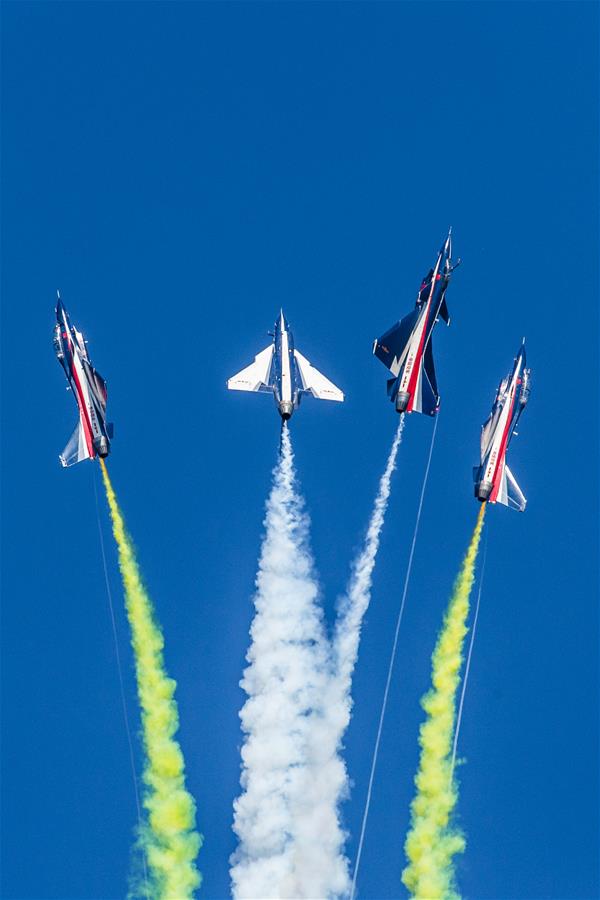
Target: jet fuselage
{"points": [[493, 480], [406, 348], [286, 383], [88, 386]]}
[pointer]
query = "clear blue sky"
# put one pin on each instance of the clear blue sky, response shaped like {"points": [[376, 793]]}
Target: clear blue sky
{"points": [[182, 170]]}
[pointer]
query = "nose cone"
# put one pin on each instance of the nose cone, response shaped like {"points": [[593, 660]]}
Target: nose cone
{"points": [[521, 355], [62, 316], [447, 246], [282, 324], [60, 308]]}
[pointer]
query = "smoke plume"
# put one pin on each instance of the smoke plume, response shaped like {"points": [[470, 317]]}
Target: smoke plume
{"points": [[169, 841], [288, 846], [432, 841], [323, 795], [354, 605]]}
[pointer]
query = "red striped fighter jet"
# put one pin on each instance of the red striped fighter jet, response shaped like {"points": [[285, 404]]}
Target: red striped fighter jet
{"points": [[93, 434], [281, 370], [406, 348], [493, 479]]}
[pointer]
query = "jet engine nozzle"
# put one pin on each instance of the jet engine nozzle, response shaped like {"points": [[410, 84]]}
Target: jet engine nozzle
{"points": [[286, 408], [402, 398], [102, 447], [483, 489]]}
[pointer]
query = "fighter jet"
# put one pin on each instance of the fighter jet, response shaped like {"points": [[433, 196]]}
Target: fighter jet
{"points": [[493, 479], [280, 369], [92, 433], [406, 348]]}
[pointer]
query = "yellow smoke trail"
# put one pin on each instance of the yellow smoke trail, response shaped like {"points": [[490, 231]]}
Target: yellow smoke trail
{"points": [[432, 842], [170, 841]]}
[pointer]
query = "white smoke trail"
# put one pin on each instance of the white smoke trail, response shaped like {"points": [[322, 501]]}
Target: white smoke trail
{"points": [[357, 599], [298, 707], [327, 786], [388, 681], [285, 844]]}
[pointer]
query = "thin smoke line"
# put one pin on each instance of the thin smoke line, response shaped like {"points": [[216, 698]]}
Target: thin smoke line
{"points": [[121, 683], [390, 668], [468, 664]]}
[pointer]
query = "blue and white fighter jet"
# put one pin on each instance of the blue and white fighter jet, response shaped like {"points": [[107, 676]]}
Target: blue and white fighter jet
{"points": [[494, 482], [93, 434], [405, 349], [280, 369]]}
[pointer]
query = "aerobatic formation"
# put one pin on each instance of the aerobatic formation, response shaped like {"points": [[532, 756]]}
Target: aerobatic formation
{"points": [[298, 682]]}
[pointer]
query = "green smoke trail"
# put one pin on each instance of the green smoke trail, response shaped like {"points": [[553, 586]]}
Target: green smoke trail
{"points": [[170, 841], [432, 842]]}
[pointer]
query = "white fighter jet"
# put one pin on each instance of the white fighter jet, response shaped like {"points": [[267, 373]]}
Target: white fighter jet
{"points": [[280, 369]]}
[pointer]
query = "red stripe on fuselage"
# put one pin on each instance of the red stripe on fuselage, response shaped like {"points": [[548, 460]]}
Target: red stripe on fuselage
{"points": [[502, 451], [412, 382], [83, 412]]}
